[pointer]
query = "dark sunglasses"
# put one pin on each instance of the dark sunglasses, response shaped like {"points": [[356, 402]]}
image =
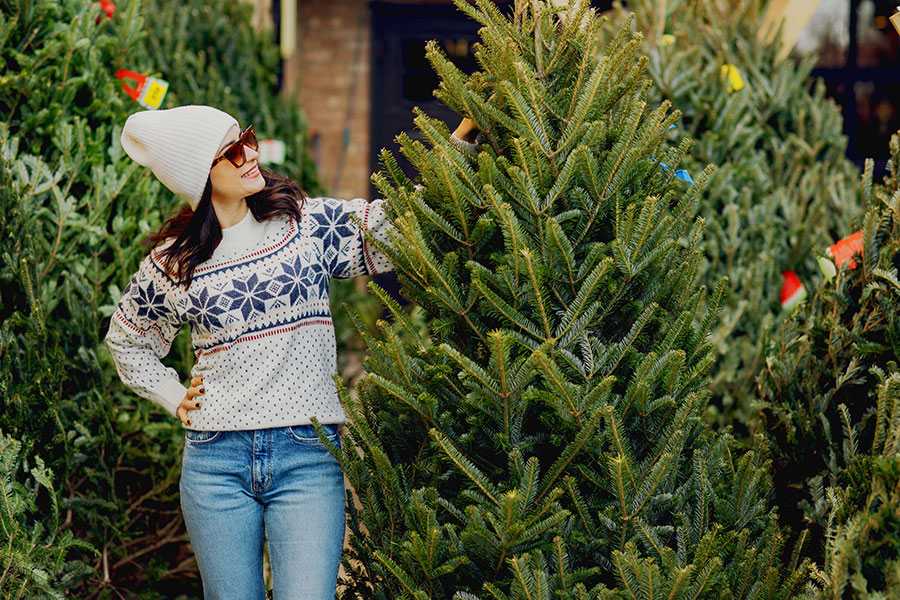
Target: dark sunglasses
{"points": [[234, 152]]}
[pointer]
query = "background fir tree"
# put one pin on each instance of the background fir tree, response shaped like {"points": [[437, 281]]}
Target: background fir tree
{"points": [[831, 401], [782, 187], [543, 437], [35, 559], [861, 557], [72, 210]]}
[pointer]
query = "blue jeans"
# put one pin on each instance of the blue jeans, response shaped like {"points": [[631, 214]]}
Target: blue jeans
{"points": [[282, 481]]}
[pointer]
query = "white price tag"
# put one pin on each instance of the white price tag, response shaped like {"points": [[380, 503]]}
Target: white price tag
{"points": [[271, 152]]}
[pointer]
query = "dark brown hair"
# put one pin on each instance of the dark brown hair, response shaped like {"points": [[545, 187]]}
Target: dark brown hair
{"points": [[197, 232]]}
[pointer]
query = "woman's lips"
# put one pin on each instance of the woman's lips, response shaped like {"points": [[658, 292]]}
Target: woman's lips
{"points": [[254, 172]]}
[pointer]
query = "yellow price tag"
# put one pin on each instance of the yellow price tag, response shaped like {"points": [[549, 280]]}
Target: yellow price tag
{"points": [[733, 78], [155, 92]]}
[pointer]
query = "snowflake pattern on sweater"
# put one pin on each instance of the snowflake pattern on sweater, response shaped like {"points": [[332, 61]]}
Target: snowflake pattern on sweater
{"points": [[260, 318]]}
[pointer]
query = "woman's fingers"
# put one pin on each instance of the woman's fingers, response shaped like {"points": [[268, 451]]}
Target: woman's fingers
{"points": [[191, 400], [187, 405]]}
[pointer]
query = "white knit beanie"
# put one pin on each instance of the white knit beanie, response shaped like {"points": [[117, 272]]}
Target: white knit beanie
{"points": [[178, 144]]}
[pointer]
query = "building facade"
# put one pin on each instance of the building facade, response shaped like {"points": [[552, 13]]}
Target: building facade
{"points": [[358, 68]]}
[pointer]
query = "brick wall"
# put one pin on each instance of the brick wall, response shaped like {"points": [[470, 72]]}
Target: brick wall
{"points": [[331, 62]]}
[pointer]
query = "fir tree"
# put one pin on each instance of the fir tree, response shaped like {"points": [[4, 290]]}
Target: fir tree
{"points": [[542, 435], [73, 207], [832, 408], [782, 187], [863, 533], [36, 560]]}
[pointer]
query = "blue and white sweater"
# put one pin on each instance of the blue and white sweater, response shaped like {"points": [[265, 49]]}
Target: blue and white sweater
{"points": [[259, 314]]}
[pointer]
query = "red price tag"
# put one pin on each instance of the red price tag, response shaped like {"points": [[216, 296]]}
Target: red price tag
{"points": [[844, 250], [109, 8], [149, 91]]}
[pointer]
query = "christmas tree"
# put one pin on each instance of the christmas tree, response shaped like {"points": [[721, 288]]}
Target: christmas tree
{"points": [[783, 186], [541, 435], [831, 401], [36, 559]]}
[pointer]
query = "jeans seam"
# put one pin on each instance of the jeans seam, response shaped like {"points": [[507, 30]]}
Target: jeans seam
{"points": [[212, 438], [311, 441]]}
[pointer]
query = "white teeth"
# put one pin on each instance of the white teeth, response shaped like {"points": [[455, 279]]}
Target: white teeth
{"points": [[250, 173]]}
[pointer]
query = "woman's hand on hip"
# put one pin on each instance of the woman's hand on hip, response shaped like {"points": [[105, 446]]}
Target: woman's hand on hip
{"points": [[191, 400]]}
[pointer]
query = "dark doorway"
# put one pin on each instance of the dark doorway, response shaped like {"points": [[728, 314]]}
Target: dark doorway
{"points": [[402, 78], [860, 72]]}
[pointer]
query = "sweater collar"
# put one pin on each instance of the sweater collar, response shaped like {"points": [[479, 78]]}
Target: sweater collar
{"points": [[242, 235]]}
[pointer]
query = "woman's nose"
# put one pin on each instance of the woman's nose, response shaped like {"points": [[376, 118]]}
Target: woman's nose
{"points": [[251, 153]]}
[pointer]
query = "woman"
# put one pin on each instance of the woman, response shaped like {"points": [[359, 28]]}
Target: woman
{"points": [[247, 265]]}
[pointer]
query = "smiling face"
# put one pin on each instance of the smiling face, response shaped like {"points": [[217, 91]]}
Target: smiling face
{"points": [[227, 181]]}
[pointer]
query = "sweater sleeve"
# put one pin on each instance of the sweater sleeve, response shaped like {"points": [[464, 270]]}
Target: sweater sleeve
{"points": [[340, 224], [469, 149], [141, 331]]}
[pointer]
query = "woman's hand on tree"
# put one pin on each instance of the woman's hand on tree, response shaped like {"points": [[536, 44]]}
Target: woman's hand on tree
{"points": [[190, 401], [466, 130]]}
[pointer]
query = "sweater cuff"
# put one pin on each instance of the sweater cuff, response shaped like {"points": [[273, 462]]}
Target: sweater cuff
{"points": [[169, 395], [467, 148]]}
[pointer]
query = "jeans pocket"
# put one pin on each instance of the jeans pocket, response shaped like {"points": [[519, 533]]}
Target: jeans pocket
{"points": [[196, 437], [306, 435]]}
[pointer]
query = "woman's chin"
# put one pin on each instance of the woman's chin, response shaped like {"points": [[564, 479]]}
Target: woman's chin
{"points": [[255, 184]]}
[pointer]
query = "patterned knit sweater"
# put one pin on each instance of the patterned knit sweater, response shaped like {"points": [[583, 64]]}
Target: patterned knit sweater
{"points": [[259, 315]]}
